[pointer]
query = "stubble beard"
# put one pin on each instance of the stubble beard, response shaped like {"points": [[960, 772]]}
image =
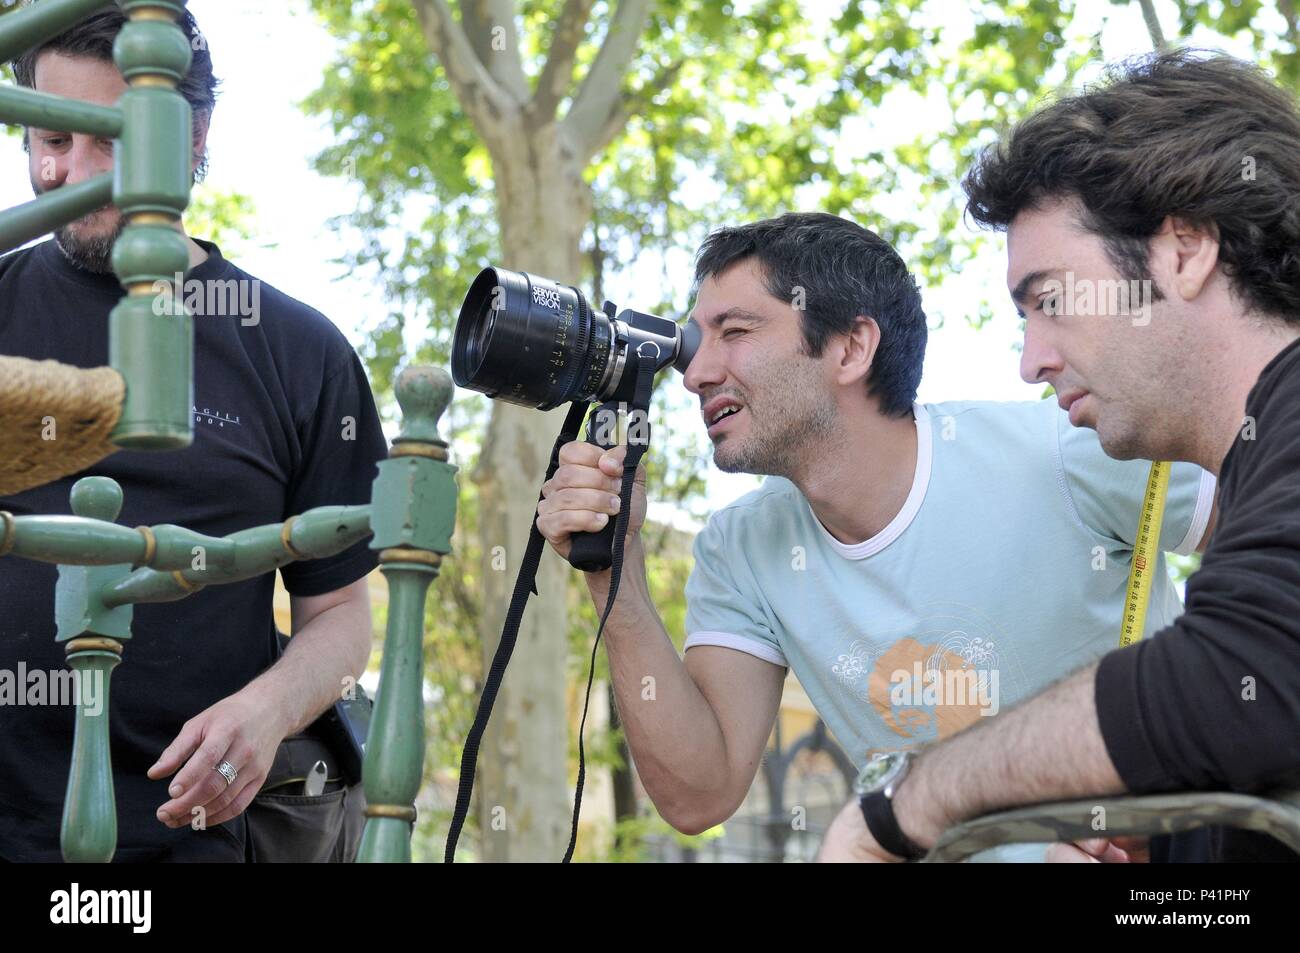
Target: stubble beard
{"points": [[1160, 386], [1120, 436], [89, 250], [794, 417]]}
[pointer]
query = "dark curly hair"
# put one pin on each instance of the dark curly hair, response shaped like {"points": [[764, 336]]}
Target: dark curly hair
{"points": [[843, 271], [93, 37], [1185, 133]]}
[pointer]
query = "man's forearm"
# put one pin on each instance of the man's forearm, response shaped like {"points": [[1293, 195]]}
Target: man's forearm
{"points": [[331, 647], [1049, 748], [671, 728]]}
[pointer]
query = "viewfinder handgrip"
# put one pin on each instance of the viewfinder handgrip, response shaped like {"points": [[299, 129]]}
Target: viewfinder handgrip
{"points": [[594, 552]]}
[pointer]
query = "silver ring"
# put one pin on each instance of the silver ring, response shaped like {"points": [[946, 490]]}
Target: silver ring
{"points": [[227, 771]]}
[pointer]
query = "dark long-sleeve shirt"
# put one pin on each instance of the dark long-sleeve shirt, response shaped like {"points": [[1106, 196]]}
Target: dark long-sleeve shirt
{"points": [[1213, 700]]}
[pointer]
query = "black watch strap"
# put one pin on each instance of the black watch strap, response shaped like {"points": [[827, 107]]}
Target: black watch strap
{"points": [[878, 812]]}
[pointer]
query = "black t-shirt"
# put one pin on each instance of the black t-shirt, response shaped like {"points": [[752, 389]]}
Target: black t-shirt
{"points": [[1213, 700], [271, 440]]}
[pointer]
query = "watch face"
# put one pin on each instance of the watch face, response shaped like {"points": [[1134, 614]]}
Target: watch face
{"points": [[877, 772]]}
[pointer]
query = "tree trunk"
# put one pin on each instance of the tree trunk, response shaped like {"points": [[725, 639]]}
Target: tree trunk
{"points": [[524, 790], [1153, 25], [543, 206]]}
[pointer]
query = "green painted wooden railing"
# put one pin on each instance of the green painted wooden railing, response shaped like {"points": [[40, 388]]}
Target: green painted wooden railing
{"points": [[150, 184], [104, 568]]}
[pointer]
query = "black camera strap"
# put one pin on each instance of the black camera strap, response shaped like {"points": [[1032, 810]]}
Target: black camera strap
{"points": [[526, 585], [636, 449]]}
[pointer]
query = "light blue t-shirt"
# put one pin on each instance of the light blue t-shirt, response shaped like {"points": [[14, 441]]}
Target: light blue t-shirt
{"points": [[1004, 571]]}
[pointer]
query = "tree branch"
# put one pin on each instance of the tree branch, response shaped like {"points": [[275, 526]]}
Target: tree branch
{"points": [[629, 104], [482, 98], [1153, 25], [503, 59], [476, 30], [598, 98], [557, 74], [1288, 11]]}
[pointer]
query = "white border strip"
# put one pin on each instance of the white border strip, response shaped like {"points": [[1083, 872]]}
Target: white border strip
{"points": [[915, 497], [740, 643], [1200, 516]]}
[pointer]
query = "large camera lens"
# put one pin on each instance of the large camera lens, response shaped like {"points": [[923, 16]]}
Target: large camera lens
{"points": [[530, 341]]}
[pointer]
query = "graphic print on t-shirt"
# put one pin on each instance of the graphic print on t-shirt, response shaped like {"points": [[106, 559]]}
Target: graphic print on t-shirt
{"points": [[932, 681], [214, 417]]}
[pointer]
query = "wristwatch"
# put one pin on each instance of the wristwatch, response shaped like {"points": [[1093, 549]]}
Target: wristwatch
{"points": [[876, 785]]}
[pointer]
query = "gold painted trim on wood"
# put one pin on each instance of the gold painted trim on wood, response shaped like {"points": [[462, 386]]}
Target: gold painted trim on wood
{"points": [[92, 643], [398, 811], [150, 545], [185, 583], [153, 80], [10, 536], [285, 532], [402, 554], [410, 448], [152, 218], [152, 13]]}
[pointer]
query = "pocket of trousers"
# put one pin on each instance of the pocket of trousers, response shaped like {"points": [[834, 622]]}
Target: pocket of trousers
{"points": [[297, 828]]}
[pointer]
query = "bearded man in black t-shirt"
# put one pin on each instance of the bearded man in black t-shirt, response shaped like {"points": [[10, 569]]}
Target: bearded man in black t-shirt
{"points": [[1153, 228], [284, 421]]}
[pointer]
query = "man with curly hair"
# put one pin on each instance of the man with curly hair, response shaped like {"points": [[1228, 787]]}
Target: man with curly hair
{"points": [[1181, 173]]}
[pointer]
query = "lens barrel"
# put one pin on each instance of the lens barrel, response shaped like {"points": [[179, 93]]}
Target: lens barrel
{"points": [[529, 340]]}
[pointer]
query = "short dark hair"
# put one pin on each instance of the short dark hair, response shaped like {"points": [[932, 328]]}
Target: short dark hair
{"points": [[93, 37], [1199, 136], [842, 271]]}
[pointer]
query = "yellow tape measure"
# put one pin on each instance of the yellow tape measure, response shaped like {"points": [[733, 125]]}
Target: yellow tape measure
{"points": [[1146, 555]]}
